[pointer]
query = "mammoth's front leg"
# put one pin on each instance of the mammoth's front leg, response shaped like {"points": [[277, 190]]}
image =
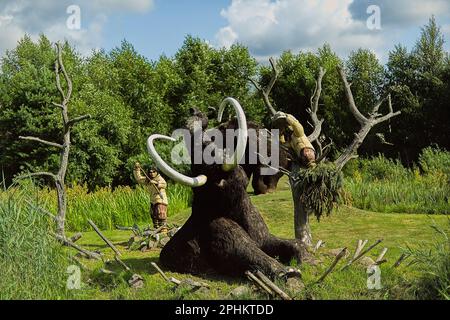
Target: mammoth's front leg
{"points": [[232, 252], [285, 250]]}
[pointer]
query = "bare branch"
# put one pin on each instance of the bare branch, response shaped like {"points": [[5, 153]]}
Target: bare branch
{"points": [[52, 144], [37, 174], [266, 92], [351, 101], [74, 121], [66, 76], [317, 124], [58, 105]]}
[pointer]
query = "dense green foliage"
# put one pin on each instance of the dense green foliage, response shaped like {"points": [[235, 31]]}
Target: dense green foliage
{"points": [[384, 185], [130, 97]]}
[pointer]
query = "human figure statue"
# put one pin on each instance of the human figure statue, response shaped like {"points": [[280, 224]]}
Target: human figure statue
{"points": [[156, 186], [292, 136]]}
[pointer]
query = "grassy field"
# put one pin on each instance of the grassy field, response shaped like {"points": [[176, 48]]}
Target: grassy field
{"points": [[342, 229]]}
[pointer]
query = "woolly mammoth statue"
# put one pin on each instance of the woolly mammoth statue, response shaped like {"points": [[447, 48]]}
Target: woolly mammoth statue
{"points": [[225, 232], [261, 184]]}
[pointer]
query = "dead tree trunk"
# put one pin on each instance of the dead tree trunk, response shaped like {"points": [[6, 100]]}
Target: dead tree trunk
{"points": [[60, 176]]}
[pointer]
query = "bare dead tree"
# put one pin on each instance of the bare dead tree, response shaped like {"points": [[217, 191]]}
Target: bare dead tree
{"points": [[301, 216], [64, 147], [367, 123]]}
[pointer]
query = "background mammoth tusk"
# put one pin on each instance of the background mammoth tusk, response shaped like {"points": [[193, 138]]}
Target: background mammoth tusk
{"points": [[231, 162], [168, 170]]}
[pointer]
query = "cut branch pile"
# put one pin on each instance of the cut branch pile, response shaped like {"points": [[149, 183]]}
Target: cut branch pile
{"points": [[149, 238]]}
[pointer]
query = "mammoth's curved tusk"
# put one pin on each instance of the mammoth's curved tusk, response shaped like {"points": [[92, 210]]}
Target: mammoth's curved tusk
{"points": [[168, 170], [242, 133]]}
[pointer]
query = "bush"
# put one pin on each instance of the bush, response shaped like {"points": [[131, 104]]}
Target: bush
{"points": [[435, 160], [32, 263], [383, 185], [379, 168]]}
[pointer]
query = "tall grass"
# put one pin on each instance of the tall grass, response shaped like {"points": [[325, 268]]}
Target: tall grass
{"points": [[434, 267], [106, 207], [384, 185], [32, 263]]}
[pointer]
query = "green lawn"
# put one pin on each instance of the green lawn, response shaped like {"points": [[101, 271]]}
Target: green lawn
{"points": [[342, 229]]}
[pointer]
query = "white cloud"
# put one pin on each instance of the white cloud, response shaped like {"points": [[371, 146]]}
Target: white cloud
{"points": [[269, 27], [34, 17]]}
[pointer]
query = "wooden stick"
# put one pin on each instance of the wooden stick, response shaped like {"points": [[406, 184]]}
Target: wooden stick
{"points": [[333, 265], [127, 268], [251, 276], [360, 246], [173, 280], [109, 243], [381, 256], [361, 254], [68, 243], [106, 271], [76, 237], [402, 258], [319, 244], [160, 272], [272, 286], [379, 263]]}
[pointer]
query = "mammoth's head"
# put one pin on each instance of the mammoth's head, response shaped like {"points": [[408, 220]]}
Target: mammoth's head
{"points": [[229, 163]]}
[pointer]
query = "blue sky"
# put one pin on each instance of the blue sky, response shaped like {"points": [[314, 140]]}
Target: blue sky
{"points": [[163, 29], [267, 27]]}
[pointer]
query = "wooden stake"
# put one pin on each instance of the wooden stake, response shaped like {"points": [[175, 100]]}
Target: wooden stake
{"points": [[160, 272], [319, 244], [402, 258], [109, 243], [127, 268], [381, 256], [252, 277], [76, 237], [272, 286], [174, 280], [361, 254], [360, 246], [333, 265]]}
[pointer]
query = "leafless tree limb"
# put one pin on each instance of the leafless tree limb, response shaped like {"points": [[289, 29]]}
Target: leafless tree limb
{"points": [[265, 92], [49, 143], [78, 119], [317, 124]]}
